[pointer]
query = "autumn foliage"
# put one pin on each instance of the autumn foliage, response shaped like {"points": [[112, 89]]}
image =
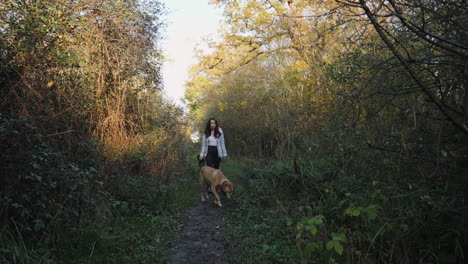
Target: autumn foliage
{"points": [[374, 90], [82, 117]]}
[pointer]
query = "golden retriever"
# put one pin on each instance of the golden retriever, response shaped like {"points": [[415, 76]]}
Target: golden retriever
{"points": [[216, 179]]}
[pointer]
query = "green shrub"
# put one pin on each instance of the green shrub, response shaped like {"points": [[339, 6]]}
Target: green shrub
{"points": [[345, 219]]}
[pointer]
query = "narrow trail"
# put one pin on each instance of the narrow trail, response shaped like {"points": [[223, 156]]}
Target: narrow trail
{"points": [[203, 238]]}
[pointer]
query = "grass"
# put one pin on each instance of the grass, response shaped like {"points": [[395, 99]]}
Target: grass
{"points": [[259, 235], [128, 239], [12, 246], [258, 229], [138, 236], [273, 217]]}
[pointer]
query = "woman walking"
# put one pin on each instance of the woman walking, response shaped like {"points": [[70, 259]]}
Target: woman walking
{"points": [[213, 148]]}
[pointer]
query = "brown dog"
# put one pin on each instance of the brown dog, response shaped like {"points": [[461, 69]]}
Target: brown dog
{"points": [[217, 179]]}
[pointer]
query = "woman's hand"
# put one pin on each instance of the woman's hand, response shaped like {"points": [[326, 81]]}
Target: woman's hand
{"points": [[200, 158]]}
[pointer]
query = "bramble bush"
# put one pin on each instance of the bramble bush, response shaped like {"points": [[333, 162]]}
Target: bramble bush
{"points": [[337, 218]]}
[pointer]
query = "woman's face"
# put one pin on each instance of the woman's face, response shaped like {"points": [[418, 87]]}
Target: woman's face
{"points": [[212, 124]]}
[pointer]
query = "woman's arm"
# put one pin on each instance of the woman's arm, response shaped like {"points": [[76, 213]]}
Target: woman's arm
{"points": [[204, 147], [223, 146]]}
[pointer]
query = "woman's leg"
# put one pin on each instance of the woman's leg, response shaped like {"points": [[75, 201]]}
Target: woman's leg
{"points": [[217, 162]]}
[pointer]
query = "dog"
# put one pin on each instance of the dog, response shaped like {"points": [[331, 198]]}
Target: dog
{"points": [[217, 180]]}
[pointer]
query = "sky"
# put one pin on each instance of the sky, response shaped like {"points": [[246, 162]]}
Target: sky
{"points": [[188, 23]]}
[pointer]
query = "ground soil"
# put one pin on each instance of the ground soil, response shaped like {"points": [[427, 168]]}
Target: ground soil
{"points": [[203, 236]]}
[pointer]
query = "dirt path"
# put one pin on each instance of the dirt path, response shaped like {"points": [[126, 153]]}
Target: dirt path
{"points": [[202, 240]]}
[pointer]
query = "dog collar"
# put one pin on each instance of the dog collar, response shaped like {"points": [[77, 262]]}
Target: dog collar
{"points": [[223, 181]]}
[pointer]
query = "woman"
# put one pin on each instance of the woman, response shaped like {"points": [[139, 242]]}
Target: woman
{"points": [[213, 147]]}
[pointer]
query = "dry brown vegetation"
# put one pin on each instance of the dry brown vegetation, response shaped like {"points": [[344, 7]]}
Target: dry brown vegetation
{"points": [[83, 121]]}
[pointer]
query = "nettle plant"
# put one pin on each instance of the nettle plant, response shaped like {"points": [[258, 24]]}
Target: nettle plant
{"points": [[367, 213], [314, 239], [319, 245]]}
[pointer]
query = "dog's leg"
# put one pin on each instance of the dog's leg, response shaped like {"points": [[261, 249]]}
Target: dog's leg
{"points": [[215, 193], [202, 187]]}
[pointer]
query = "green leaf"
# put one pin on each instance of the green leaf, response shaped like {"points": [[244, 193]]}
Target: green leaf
{"points": [[352, 211], [330, 244], [372, 211], [309, 249], [339, 237], [313, 230], [372, 215], [300, 226], [339, 248], [298, 235], [342, 237], [336, 246], [317, 220]]}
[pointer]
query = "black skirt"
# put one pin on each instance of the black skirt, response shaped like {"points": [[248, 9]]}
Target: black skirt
{"points": [[212, 158]]}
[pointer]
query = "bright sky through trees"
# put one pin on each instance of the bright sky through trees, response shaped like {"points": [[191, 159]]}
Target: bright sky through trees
{"points": [[188, 22]]}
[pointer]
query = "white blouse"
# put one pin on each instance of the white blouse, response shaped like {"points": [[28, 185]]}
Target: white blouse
{"points": [[212, 141]]}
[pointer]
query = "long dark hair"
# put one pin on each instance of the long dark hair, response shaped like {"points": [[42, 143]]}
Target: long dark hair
{"points": [[217, 134]]}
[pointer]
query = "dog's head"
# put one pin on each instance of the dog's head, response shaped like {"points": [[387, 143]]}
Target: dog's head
{"points": [[228, 188]]}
